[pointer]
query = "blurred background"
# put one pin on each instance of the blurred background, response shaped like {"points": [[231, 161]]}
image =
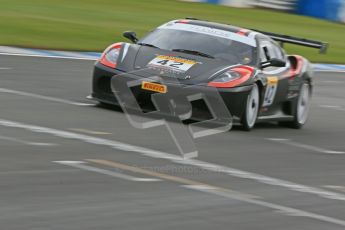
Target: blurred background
{"points": [[91, 25]]}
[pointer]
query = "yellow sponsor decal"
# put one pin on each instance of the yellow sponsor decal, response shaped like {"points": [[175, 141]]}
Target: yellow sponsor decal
{"points": [[272, 80], [155, 87], [271, 90], [177, 59]]}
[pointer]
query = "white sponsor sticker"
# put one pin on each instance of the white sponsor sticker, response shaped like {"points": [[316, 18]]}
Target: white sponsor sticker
{"points": [[172, 63], [250, 40]]}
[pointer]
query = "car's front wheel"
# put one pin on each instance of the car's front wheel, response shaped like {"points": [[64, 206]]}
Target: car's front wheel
{"points": [[250, 114]]}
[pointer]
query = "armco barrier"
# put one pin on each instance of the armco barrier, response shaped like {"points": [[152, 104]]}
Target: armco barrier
{"points": [[288, 5], [234, 3], [333, 10]]}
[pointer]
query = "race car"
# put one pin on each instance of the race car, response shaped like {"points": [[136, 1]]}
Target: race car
{"points": [[256, 79]]}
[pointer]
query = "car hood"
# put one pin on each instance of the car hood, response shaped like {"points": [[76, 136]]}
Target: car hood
{"points": [[189, 68]]}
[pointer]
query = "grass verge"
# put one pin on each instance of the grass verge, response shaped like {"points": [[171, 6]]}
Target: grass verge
{"points": [[91, 25]]}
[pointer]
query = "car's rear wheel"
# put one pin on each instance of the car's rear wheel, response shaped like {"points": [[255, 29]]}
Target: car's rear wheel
{"points": [[301, 110], [250, 114]]}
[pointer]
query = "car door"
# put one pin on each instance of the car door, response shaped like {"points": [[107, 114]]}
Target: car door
{"points": [[276, 81]]}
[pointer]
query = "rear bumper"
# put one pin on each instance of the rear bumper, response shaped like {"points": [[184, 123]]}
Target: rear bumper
{"points": [[234, 98]]}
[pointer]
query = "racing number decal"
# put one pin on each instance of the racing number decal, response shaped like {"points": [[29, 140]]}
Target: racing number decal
{"points": [[176, 64], [167, 63], [271, 89], [172, 63]]}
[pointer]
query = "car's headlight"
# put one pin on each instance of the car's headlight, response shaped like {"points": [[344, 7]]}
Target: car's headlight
{"points": [[110, 55], [227, 76], [232, 77]]}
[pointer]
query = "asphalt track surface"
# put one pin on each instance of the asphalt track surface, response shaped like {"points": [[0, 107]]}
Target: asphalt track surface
{"points": [[69, 164]]}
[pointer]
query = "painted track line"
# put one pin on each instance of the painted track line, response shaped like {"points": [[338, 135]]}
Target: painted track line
{"points": [[82, 165], [176, 159], [333, 107], [219, 191], [329, 71], [336, 187], [47, 98], [17, 140], [49, 56], [89, 131], [331, 82], [160, 175], [305, 146], [42, 171], [282, 209]]}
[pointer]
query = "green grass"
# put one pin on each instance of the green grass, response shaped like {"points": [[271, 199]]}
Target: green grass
{"points": [[91, 25]]}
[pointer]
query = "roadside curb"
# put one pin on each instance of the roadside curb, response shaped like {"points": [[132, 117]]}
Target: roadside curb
{"points": [[49, 53], [95, 55]]}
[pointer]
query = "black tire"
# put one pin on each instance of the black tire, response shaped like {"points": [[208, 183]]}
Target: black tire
{"points": [[301, 108], [251, 111]]}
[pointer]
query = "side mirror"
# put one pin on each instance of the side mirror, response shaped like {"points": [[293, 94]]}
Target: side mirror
{"points": [[131, 36], [275, 62]]}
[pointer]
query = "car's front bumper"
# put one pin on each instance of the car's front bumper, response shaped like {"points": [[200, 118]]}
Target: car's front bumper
{"points": [[235, 98]]}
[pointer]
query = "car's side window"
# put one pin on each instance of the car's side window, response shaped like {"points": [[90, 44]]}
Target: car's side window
{"points": [[267, 53], [278, 51], [264, 54], [269, 50]]}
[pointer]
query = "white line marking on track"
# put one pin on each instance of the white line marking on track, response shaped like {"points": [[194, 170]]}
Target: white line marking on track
{"points": [[47, 98], [42, 144], [82, 165], [335, 187], [50, 56], [4, 68], [331, 106], [277, 139], [25, 172], [146, 179], [199, 187], [335, 82], [176, 159], [17, 140], [89, 131], [330, 71], [206, 187], [282, 209], [335, 107], [219, 191], [304, 146]]}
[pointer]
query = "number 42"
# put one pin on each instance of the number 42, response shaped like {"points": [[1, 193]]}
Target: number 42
{"points": [[173, 64]]}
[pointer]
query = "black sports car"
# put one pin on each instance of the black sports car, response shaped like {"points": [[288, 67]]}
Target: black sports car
{"points": [[250, 70]]}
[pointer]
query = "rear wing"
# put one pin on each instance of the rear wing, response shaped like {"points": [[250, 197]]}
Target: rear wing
{"points": [[322, 46]]}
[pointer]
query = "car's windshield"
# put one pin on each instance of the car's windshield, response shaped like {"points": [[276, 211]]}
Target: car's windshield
{"points": [[235, 52]]}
